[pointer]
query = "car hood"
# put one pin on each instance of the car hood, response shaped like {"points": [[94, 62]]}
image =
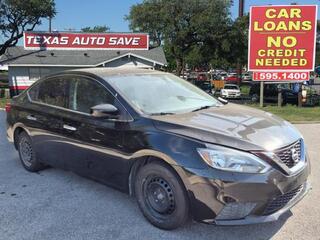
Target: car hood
{"points": [[232, 125]]}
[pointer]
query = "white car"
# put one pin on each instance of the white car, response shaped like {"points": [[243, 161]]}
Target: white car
{"points": [[223, 75], [232, 74], [230, 91], [247, 77]]}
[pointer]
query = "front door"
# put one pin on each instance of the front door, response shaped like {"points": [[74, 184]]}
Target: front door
{"points": [[95, 144]]}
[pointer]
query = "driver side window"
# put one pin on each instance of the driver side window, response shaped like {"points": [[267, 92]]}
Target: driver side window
{"points": [[85, 93]]}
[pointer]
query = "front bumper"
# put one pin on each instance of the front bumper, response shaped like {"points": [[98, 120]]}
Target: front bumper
{"points": [[269, 218], [249, 195], [231, 96]]}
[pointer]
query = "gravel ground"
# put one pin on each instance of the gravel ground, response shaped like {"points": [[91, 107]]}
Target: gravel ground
{"points": [[56, 204]]}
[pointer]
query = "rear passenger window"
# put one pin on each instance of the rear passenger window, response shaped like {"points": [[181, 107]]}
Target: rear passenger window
{"points": [[85, 94], [53, 92]]}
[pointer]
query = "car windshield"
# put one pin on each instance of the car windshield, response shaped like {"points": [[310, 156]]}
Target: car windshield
{"points": [[161, 93], [230, 87]]}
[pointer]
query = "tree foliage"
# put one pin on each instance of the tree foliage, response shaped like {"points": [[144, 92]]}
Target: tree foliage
{"points": [[196, 32], [148, 17], [17, 16], [318, 44], [96, 29]]}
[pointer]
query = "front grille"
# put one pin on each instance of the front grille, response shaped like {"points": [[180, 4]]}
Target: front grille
{"points": [[285, 155], [279, 202]]}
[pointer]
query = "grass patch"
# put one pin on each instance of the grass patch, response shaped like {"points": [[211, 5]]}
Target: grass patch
{"points": [[293, 113], [245, 89], [3, 102]]}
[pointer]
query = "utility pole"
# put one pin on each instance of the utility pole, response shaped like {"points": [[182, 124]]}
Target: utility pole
{"points": [[50, 18], [241, 11], [50, 24], [241, 7]]}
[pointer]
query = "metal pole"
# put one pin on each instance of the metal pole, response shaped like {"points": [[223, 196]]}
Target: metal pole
{"points": [[241, 7], [261, 93], [279, 96], [239, 65], [49, 24], [300, 96]]}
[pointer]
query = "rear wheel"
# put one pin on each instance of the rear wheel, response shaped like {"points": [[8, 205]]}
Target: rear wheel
{"points": [[161, 196], [27, 153]]}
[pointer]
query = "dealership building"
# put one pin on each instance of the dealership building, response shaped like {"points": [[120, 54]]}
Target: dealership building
{"points": [[25, 66]]}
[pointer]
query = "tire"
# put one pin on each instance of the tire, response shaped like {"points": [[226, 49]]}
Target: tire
{"points": [[161, 196], [27, 153], [254, 98]]}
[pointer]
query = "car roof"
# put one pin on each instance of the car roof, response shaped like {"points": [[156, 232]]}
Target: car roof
{"points": [[231, 85], [105, 72]]}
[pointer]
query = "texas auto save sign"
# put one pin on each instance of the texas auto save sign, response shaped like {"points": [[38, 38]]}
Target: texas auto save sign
{"points": [[93, 41], [282, 42]]}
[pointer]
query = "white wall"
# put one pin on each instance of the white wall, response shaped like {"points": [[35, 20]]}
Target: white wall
{"points": [[20, 76]]}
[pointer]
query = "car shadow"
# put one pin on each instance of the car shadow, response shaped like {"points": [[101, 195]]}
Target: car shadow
{"points": [[261, 231], [126, 212], [117, 211], [191, 230]]}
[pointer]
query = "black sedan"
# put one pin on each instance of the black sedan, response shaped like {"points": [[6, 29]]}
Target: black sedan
{"points": [[271, 93], [178, 150]]}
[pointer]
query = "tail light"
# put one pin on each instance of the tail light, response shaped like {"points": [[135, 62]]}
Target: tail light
{"points": [[8, 107]]}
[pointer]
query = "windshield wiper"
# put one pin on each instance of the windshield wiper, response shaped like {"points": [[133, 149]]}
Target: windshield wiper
{"points": [[201, 108], [162, 113]]}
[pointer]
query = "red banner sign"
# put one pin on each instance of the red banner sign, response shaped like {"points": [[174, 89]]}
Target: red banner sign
{"points": [[281, 76], [93, 41], [282, 38]]}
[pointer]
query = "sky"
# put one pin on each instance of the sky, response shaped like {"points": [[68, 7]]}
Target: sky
{"points": [[72, 15]]}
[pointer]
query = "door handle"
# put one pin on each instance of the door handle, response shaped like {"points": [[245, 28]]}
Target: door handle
{"points": [[32, 118], [70, 128]]}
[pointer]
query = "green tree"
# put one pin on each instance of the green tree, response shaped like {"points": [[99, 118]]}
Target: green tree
{"points": [[318, 44], [237, 53], [185, 27], [17, 16], [148, 17], [97, 29]]}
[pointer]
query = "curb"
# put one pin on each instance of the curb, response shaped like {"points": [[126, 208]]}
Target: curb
{"points": [[305, 122]]}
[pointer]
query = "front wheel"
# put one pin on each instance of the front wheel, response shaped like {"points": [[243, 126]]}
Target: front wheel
{"points": [[161, 196]]}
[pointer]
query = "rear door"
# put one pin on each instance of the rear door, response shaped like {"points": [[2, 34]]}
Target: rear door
{"points": [[48, 99]]}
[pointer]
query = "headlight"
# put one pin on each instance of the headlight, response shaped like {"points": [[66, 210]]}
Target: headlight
{"points": [[232, 160]]}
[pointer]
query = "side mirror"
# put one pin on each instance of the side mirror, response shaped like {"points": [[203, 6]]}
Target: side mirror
{"points": [[105, 111], [223, 101]]}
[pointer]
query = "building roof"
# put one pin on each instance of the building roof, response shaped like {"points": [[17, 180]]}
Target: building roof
{"points": [[18, 56], [104, 72]]}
